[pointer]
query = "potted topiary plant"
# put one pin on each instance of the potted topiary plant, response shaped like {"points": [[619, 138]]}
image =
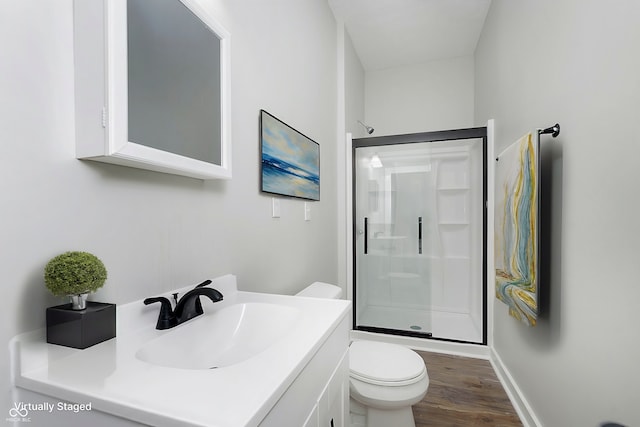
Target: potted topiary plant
{"points": [[80, 323], [75, 274]]}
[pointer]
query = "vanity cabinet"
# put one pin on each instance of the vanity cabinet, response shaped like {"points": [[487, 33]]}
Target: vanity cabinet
{"points": [[319, 397], [332, 408]]}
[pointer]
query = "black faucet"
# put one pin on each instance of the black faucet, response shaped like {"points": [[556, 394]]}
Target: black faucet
{"points": [[188, 307]]}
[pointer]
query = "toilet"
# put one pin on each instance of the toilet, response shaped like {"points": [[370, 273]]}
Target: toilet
{"points": [[385, 380]]}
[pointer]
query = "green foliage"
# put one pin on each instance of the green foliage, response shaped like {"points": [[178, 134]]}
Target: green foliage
{"points": [[73, 273]]}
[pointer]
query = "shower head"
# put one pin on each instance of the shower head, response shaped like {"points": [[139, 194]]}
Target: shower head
{"points": [[369, 129]]}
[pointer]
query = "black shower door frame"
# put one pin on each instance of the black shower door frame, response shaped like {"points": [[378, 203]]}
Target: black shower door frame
{"points": [[435, 136]]}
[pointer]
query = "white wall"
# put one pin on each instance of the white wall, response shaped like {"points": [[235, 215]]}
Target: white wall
{"points": [[436, 95], [351, 97], [355, 89], [576, 63], [156, 232]]}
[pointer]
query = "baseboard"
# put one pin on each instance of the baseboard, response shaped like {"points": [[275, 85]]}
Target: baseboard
{"points": [[520, 404]]}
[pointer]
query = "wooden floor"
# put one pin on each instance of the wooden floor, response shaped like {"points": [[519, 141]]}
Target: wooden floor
{"points": [[463, 392]]}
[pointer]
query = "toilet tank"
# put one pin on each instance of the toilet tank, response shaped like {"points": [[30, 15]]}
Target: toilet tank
{"points": [[321, 290]]}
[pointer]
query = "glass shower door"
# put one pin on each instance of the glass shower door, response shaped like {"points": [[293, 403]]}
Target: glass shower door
{"points": [[419, 238], [393, 189]]}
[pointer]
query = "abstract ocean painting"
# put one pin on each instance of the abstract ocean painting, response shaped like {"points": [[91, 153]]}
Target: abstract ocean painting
{"points": [[516, 229], [290, 160]]}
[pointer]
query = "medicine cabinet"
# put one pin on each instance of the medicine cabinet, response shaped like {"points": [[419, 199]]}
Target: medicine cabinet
{"points": [[152, 86]]}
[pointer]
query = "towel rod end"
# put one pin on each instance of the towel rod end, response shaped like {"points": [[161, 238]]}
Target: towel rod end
{"points": [[553, 130]]}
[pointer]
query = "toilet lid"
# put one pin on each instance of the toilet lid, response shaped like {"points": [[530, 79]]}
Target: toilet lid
{"points": [[385, 364]]}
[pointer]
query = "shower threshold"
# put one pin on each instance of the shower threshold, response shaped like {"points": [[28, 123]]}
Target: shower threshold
{"points": [[434, 324], [402, 332]]}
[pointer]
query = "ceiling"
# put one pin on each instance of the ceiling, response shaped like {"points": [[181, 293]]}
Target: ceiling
{"points": [[392, 33]]}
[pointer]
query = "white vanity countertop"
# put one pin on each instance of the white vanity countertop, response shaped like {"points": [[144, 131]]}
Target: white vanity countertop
{"points": [[113, 380]]}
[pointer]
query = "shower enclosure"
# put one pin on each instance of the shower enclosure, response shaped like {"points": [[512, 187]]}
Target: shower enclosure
{"points": [[419, 204]]}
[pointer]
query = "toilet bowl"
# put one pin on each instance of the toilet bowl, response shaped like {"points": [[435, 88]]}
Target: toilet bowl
{"points": [[385, 380]]}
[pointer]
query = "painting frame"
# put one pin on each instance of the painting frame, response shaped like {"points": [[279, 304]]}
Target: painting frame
{"points": [[289, 160], [517, 228]]}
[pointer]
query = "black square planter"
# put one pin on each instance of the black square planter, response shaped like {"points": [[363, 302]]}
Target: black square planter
{"points": [[81, 328]]}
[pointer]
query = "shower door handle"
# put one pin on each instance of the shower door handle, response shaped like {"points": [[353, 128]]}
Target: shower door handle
{"points": [[420, 235], [366, 235]]}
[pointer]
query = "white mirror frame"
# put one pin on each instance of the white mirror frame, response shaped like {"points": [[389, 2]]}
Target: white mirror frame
{"points": [[100, 23]]}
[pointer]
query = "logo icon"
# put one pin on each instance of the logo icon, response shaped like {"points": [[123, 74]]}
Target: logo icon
{"points": [[18, 410]]}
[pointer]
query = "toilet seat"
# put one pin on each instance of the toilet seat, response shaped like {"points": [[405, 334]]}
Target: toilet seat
{"points": [[385, 364]]}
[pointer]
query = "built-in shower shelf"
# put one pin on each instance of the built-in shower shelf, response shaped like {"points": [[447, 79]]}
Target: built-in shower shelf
{"points": [[463, 188], [407, 256], [454, 223], [402, 275]]}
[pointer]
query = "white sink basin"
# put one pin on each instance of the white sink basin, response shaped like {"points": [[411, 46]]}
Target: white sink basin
{"points": [[223, 338]]}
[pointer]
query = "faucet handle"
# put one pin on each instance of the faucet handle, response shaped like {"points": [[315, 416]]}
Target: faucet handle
{"points": [[205, 283], [162, 300], [166, 318]]}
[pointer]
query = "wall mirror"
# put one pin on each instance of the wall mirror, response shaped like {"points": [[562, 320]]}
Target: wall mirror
{"points": [[160, 86]]}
